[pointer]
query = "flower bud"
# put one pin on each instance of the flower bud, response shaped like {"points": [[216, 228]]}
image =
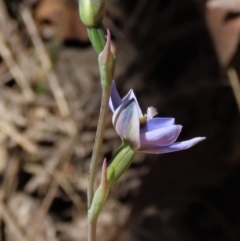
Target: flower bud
{"points": [[121, 161], [92, 12], [100, 195], [105, 62]]}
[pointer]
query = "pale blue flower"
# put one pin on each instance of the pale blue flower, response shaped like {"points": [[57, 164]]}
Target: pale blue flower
{"points": [[145, 133]]}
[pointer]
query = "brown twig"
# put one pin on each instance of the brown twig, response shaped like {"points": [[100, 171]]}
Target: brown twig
{"points": [[59, 176], [11, 222], [15, 69], [65, 151], [25, 143], [47, 67], [7, 185]]}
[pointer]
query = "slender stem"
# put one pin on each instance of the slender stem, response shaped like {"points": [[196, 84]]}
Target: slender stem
{"points": [[98, 41], [98, 142], [92, 226]]}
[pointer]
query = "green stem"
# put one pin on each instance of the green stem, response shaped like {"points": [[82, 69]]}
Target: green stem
{"points": [[98, 142], [98, 40]]}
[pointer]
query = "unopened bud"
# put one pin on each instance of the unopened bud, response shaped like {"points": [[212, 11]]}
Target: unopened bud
{"points": [[92, 12], [105, 61], [100, 195]]}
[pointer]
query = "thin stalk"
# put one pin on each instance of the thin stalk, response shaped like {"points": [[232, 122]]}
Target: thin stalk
{"points": [[92, 227], [98, 142]]}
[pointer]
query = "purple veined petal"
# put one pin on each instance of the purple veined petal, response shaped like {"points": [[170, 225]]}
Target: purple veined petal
{"points": [[114, 100], [126, 122], [177, 146], [161, 137], [156, 123], [130, 95]]}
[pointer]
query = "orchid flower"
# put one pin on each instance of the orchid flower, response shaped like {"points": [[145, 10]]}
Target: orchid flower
{"points": [[140, 133], [146, 133]]}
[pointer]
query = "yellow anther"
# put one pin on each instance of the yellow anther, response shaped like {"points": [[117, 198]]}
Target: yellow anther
{"points": [[143, 119]]}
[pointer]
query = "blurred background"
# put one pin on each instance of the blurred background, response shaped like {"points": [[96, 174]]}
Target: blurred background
{"points": [[181, 57]]}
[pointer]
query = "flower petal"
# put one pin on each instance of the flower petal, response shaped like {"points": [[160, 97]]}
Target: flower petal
{"points": [[177, 146], [114, 100], [130, 95], [162, 136], [156, 123], [126, 122]]}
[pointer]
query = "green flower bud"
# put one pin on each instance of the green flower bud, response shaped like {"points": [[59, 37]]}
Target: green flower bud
{"points": [[105, 62], [92, 12], [121, 161], [100, 195]]}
